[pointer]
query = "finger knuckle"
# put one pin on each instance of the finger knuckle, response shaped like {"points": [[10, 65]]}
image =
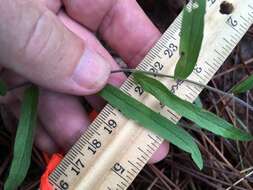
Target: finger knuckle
{"points": [[39, 37]]}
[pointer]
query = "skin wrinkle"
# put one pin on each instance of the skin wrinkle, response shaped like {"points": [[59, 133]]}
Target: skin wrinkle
{"points": [[107, 13], [53, 5], [33, 34]]}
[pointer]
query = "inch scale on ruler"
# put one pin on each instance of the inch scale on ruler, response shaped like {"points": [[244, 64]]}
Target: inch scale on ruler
{"points": [[114, 149]]}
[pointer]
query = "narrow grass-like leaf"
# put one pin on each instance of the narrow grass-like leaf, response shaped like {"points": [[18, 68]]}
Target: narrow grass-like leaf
{"points": [[192, 30], [201, 117], [3, 88], [24, 139], [243, 86], [153, 121], [198, 102]]}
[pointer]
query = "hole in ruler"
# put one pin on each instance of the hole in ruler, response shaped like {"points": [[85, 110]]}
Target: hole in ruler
{"points": [[226, 8]]}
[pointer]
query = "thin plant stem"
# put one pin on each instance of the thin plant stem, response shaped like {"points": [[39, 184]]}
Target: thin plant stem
{"points": [[168, 76], [240, 180], [189, 81]]}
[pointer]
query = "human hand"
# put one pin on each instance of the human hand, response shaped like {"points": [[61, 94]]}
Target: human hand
{"points": [[43, 44]]}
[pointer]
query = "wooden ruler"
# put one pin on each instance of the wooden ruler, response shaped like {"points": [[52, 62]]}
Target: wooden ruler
{"points": [[114, 149]]}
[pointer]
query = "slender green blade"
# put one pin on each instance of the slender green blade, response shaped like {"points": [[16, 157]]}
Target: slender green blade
{"points": [[243, 86], [24, 139], [3, 88], [192, 30], [153, 121], [201, 117]]}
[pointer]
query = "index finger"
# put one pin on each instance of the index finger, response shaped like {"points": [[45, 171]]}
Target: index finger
{"points": [[121, 23]]}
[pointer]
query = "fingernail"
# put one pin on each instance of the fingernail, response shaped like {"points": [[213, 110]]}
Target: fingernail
{"points": [[92, 72]]}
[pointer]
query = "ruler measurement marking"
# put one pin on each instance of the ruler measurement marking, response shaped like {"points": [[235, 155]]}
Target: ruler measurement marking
{"points": [[153, 138], [123, 183], [58, 186], [79, 149], [87, 134], [128, 87], [120, 186], [137, 163], [63, 166], [70, 156], [120, 176], [233, 39], [142, 160], [98, 121], [96, 125], [225, 49], [74, 151], [242, 26], [61, 172], [143, 152], [228, 42], [207, 75], [135, 172], [108, 112], [54, 177], [199, 76], [220, 54], [198, 88], [189, 97], [130, 173], [133, 164], [142, 68], [57, 175], [216, 62], [84, 140], [94, 131], [145, 158], [151, 148], [130, 179], [159, 138], [211, 66], [190, 88], [175, 117]]}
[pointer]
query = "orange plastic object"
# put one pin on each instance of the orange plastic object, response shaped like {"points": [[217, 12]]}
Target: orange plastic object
{"points": [[54, 161], [93, 115]]}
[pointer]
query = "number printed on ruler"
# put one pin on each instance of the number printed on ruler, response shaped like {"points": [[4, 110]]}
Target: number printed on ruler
{"points": [[114, 149]]}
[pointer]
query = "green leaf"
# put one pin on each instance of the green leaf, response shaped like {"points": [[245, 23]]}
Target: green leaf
{"points": [[153, 121], [24, 139], [243, 86], [192, 30], [201, 117], [3, 88], [198, 102]]}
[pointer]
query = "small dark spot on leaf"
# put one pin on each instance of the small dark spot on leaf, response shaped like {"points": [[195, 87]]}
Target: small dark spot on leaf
{"points": [[226, 8]]}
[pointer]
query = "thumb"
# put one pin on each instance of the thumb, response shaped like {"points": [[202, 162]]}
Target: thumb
{"points": [[36, 45]]}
